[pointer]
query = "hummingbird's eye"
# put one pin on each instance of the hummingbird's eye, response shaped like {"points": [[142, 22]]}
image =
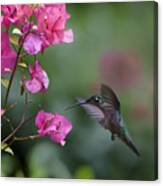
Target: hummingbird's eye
{"points": [[97, 99]]}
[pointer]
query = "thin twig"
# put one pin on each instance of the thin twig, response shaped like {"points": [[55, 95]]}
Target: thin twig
{"points": [[23, 138], [7, 119], [12, 134], [16, 129], [14, 70], [7, 145], [11, 106], [12, 76]]}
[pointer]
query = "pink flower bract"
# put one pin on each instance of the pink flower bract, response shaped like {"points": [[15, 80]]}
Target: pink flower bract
{"points": [[2, 112], [56, 126], [51, 25], [48, 24], [8, 55], [16, 14], [32, 44], [39, 80]]}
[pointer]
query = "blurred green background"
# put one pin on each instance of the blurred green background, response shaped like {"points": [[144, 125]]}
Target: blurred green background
{"points": [[73, 70]]}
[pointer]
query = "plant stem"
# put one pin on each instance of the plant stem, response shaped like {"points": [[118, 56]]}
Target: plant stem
{"points": [[14, 70], [23, 138], [12, 76], [12, 134]]}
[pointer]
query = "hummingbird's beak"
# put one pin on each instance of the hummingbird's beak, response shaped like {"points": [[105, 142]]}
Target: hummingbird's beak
{"points": [[80, 101]]}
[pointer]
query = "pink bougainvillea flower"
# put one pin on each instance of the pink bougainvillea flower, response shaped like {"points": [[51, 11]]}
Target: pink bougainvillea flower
{"points": [[61, 127], [39, 80], [16, 14], [52, 21], [49, 24], [68, 36], [42, 120], [27, 27], [3, 112], [56, 126], [32, 44], [8, 55]]}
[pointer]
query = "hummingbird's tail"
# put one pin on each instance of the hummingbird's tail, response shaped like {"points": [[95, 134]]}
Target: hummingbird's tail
{"points": [[126, 138]]}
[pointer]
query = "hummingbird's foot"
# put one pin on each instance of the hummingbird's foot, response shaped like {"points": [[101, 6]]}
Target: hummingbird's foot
{"points": [[112, 137]]}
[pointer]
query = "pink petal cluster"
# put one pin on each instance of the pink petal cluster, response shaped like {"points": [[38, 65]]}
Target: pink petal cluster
{"points": [[3, 112], [16, 14], [32, 44], [51, 24], [39, 81], [56, 126], [8, 55], [48, 24]]}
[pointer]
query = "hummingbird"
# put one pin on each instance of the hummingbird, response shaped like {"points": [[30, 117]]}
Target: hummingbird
{"points": [[105, 109]]}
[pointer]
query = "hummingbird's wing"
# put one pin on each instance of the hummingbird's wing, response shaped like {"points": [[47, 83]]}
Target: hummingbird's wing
{"points": [[92, 110], [110, 97]]}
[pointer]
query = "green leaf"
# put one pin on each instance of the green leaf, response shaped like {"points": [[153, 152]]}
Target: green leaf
{"points": [[7, 149], [5, 82]]}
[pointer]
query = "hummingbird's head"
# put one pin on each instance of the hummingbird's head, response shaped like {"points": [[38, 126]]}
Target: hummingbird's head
{"points": [[95, 100]]}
